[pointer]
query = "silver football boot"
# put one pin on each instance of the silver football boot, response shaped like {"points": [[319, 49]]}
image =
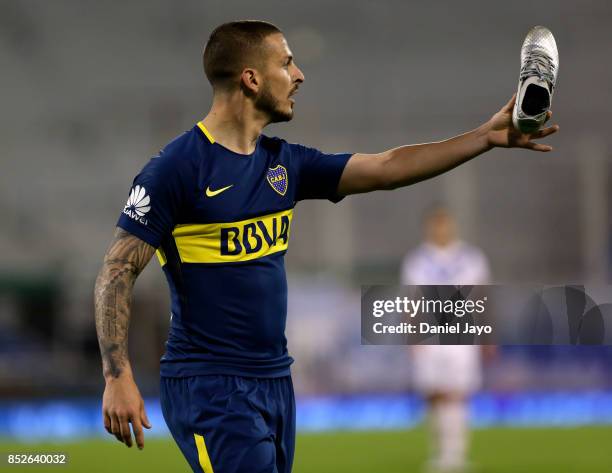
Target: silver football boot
{"points": [[539, 70]]}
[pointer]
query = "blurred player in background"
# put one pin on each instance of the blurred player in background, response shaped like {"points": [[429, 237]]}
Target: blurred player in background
{"points": [[446, 375], [217, 205]]}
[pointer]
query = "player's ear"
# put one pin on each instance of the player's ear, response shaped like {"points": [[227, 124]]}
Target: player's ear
{"points": [[250, 81]]}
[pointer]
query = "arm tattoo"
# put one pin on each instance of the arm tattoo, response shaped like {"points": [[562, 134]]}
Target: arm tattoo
{"points": [[125, 259]]}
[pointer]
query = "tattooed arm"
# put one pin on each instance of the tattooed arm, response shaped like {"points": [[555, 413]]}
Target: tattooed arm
{"points": [[122, 403]]}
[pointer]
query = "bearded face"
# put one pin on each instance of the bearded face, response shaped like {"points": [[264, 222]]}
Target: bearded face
{"points": [[278, 108], [280, 80]]}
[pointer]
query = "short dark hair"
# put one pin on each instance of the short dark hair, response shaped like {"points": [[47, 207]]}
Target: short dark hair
{"points": [[231, 47]]}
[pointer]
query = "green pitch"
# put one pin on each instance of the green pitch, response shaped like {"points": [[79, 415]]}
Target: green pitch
{"points": [[584, 450]]}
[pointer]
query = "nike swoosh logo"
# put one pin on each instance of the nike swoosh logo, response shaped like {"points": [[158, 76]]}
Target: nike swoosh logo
{"points": [[212, 193]]}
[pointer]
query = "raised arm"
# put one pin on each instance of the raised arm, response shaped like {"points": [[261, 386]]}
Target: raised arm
{"points": [[122, 403], [407, 165]]}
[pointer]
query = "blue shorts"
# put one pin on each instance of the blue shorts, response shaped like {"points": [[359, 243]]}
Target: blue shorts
{"points": [[232, 424]]}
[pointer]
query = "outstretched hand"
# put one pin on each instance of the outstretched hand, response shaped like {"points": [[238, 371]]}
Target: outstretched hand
{"points": [[503, 134]]}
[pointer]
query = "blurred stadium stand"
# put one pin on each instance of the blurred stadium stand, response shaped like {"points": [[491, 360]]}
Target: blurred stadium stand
{"points": [[93, 89]]}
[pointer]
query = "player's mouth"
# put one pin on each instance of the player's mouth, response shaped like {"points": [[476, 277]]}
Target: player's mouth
{"points": [[293, 92]]}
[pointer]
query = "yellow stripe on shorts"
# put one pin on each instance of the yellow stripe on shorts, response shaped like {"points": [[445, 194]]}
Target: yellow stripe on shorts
{"points": [[203, 457]]}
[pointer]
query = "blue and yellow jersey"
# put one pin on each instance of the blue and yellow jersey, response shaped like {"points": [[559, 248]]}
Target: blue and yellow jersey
{"points": [[221, 222]]}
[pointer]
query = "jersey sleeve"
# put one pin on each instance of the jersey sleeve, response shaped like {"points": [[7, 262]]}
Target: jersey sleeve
{"points": [[318, 174], [157, 196]]}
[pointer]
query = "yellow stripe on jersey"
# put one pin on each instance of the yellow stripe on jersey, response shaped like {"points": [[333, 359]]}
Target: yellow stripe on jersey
{"points": [[203, 457], [206, 132], [161, 256], [233, 241]]}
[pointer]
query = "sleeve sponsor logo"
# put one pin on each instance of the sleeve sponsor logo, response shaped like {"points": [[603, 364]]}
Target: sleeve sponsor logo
{"points": [[138, 205]]}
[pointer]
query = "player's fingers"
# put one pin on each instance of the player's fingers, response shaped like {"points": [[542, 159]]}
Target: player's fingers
{"points": [[546, 131], [107, 422], [548, 115], [126, 434], [510, 104], [537, 146], [144, 418], [138, 433], [116, 427]]}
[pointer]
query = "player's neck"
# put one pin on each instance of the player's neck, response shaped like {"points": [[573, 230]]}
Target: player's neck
{"points": [[235, 123], [443, 245]]}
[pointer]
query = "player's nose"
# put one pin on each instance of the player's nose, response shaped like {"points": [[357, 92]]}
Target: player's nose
{"points": [[299, 75]]}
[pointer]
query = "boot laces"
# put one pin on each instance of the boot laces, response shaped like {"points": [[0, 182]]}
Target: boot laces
{"points": [[538, 63]]}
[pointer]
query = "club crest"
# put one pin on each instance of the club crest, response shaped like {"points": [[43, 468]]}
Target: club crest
{"points": [[278, 179]]}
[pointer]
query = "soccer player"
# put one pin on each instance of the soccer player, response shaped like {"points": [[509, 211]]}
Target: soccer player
{"points": [[446, 375], [216, 205]]}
